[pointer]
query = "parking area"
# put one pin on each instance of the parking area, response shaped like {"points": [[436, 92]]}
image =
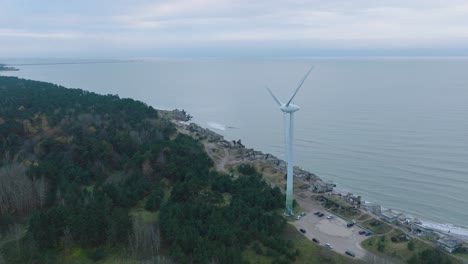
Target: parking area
{"points": [[333, 231]]}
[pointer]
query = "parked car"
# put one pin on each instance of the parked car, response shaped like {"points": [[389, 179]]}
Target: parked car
{"points": [[330, 217], [321, 214], [350, 253], [317, 213], [302, 230], [362, 232], [349, 224], [298, 217], [368, 233], [328, 245], [303, 214], [316, 240]]}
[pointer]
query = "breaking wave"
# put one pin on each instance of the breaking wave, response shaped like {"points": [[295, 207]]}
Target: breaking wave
{"points": [[217, 126]]}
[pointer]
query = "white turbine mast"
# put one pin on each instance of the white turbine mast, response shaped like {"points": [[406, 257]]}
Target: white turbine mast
{"points": [[289, 108]]}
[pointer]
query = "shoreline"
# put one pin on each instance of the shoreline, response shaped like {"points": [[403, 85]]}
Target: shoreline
{"points": [[3, 67], [276, 165]]}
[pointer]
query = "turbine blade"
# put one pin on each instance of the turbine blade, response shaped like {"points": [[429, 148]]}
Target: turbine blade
{"points": [[298, 87], [274, 97]]}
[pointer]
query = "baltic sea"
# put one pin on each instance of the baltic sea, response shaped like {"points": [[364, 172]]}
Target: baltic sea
{"points": [[393, 130]]}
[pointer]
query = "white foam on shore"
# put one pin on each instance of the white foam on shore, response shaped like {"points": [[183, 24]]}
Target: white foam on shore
{"points": [[445, 228], [449, 229], [217, 126]]}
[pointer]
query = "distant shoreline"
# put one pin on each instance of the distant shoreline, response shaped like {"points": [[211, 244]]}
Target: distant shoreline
{"points": [[3, 67], [69, 63]]}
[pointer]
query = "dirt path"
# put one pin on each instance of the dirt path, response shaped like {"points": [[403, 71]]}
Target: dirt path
{"points": [[221, 166], [219, 155]]}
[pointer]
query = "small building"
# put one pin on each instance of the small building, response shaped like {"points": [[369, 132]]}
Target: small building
{"points": [[419, 229], [371, 207], [389, 216], [322, 186], [449, 243]]}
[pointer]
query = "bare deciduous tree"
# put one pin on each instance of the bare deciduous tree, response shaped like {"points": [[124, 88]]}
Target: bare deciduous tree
{"points": [[18, 193], [145, 240]]}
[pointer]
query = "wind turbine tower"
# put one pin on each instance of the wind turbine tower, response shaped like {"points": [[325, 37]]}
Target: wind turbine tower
{"points": [[288, 111]]}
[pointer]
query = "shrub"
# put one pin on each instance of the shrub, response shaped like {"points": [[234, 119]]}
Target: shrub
{"points": [[246, 169], [97, 254], [257, 248], [410, 245]]}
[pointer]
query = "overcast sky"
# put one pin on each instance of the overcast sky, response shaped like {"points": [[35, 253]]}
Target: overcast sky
{"points": [[138, 28]]}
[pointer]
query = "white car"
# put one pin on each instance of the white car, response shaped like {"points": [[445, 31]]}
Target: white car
{"points": [[330, 217], [328, 245], [298, 217]]}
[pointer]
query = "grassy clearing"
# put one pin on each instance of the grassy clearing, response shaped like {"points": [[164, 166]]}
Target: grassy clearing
{"points": [[430, 238], [147, 216], [83, 256], [254, 258], [363, 217], [384, 245], [346, 214], [378, 227], [89, 188], [140, 211], [227, 198], [463, 255], [400, 250]]}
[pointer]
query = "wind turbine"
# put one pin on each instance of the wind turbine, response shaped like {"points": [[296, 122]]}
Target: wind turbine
{"points": [[289, 108]]}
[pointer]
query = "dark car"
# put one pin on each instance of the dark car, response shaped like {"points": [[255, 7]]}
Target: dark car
{"points": [[349, 224], [368, 233], [321, 214], [317, 213], [362, 232], [350, 253], [316, 240], [302, 230]]}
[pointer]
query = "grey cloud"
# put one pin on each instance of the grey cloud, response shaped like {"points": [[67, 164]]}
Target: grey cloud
{"points": [[135, 25]]}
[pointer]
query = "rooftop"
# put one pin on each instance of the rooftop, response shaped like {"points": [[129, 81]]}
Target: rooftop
{"points": [[390, 214], [449, 242]]}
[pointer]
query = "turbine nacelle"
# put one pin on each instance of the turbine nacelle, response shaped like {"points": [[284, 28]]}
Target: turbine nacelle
{"points": [[291, 108]]}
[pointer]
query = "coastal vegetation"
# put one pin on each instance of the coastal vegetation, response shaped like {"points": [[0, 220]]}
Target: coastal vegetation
{"points": [[377, 227], [87, 177], [397, 245]]}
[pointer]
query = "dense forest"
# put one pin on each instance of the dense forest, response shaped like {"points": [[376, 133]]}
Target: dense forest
{"points": [[94, 176]]}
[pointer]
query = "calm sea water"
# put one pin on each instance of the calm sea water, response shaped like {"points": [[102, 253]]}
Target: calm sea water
{"points": [[394, 131]]}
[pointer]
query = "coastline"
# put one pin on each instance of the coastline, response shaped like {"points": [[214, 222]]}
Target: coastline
{"points": [[3, 67], [215, 143], [401, 166]]}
